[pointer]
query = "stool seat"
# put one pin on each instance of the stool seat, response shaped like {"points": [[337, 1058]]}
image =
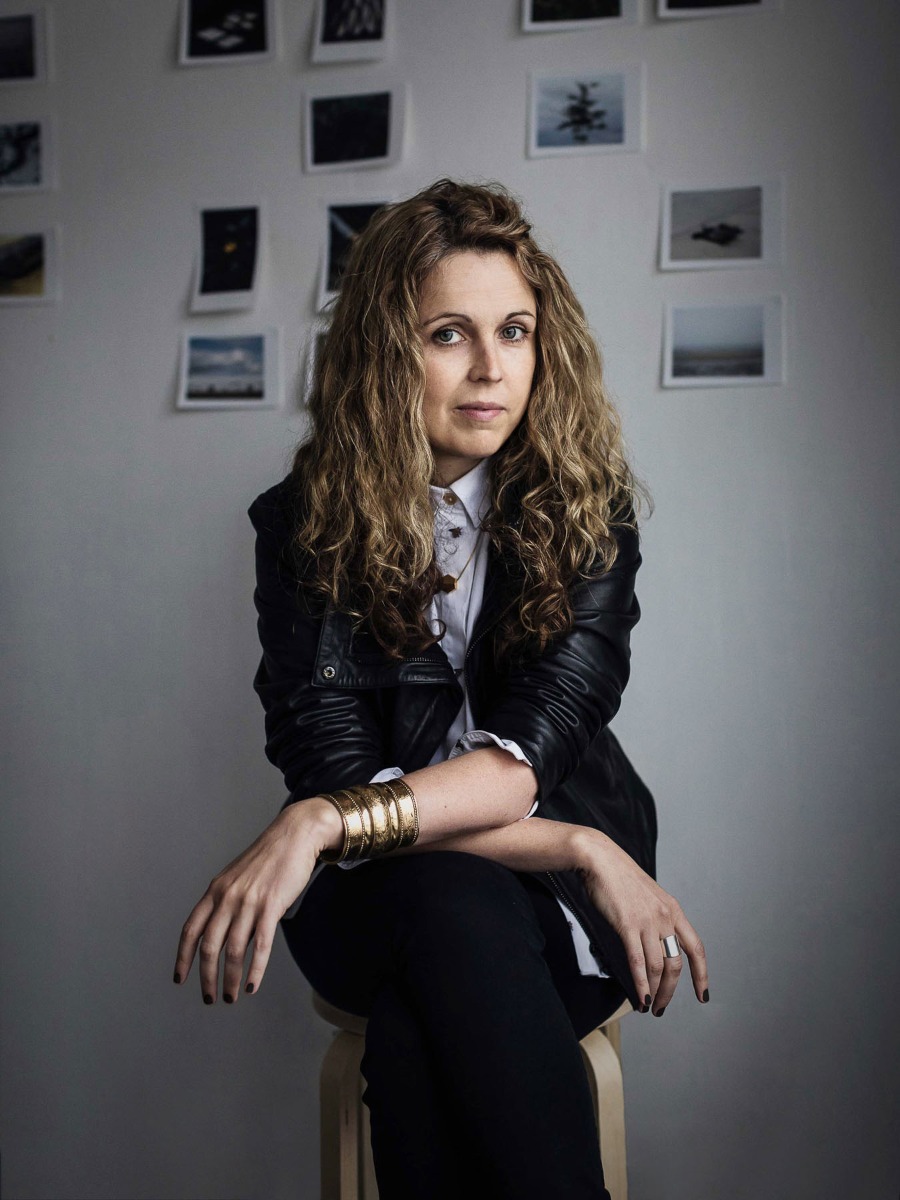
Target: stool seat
{"points": [[347, 1171]]}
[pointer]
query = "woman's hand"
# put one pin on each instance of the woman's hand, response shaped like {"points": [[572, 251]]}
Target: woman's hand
{"points": [[642, 914], [246, 900]]}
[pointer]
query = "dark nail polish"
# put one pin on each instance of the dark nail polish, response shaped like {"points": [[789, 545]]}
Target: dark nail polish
{"points": [[645, 1008], [661, 1011], [249, 987], [647, 999], [177, 977], [229, 999], [207, 998], [706, 995]]}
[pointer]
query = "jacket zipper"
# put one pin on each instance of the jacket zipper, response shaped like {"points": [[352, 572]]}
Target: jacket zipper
{"points": [[561, 895]]}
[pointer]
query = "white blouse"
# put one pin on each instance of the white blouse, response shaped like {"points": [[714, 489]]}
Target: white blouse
{"points": [[458, 512]]}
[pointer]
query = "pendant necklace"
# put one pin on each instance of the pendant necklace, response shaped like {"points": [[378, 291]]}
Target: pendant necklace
{"points": [[448, 582]]}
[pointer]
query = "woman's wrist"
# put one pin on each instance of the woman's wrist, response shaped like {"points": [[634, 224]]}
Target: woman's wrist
{"points": [[320, 821], [588, 846]]}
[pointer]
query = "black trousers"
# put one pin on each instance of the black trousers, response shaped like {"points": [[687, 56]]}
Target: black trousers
{"points": [[475, 1005]]}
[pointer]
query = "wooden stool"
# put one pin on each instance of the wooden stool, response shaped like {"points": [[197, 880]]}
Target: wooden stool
{"points": [[346, 1155]]}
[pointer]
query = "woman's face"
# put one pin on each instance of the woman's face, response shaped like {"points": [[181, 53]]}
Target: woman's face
{"points": [[478, 324]]}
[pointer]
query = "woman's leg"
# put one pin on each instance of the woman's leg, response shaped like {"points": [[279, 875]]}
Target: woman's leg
{"points": [[460, 940]]}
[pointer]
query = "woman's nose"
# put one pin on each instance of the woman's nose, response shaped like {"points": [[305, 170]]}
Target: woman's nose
{"points": [[486, 363]]}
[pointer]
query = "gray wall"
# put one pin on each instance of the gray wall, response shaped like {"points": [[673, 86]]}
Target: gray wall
{"points": [[762, 707]]}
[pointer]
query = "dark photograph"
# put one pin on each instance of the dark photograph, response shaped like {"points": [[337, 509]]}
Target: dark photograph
{"points": [[19, 48], [350, 129], [27, 270], [352, 21], [222, 29], [689, 8], [552, 16], [345, 223], [21, 156], [230, 241]]}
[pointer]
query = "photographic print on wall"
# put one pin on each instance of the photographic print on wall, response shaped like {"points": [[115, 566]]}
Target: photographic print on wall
{"points": [[730, 226], [29, 271], [226, 31], [27, 161], [313, 353], [24, 46], [712, 8], [555, 16], [228, 259], [723, 343], [238, 370], [595, 111], [351, 129], [346, 221], [352, 30]]}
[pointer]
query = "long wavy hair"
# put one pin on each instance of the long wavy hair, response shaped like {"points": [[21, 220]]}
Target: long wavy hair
{"points": [[558, 485]]}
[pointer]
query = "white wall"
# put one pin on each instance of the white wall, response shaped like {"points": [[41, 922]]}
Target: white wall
{"points": [[762, 708]]}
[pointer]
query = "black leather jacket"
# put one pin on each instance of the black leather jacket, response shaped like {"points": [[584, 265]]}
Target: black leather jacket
{"points": [[338, 711]]}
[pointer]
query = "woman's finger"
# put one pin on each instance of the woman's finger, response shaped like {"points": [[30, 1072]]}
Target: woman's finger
{"points": [[236, 944], [637, 964], [263, 937], [654, 959], [190, 937], [696, 955], [671, 972], [210, 948]]}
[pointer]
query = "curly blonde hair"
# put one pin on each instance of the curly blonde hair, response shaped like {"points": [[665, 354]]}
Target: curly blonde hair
{"points": [[558, 485]]}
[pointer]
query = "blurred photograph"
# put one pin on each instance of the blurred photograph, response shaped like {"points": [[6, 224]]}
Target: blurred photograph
{"points": [[585, 113], [223, 31], [229, 371], [28, 273], [555, 16], [351, 30], [23, 46], [711, 8], [228, 259], [723, 343], [345, 223], [356, 129], [25, 156], [730, 226]]}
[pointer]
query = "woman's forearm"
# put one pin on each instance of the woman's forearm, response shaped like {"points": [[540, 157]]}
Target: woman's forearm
{"points": [[533, 845]]}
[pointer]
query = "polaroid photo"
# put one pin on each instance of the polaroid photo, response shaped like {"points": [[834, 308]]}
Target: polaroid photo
{"points": [[29, 266], [345, 222], [238, 370], [712, 8], [738, 225], [25, 46], [27, 156], [226, 31], [724, 343], [345, 130], [352, 30], [557, 16], [229, 258], [595, 111], [312, 357]]}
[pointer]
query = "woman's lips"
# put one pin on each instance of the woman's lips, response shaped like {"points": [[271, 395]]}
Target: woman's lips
{"points": [[480, 414]]}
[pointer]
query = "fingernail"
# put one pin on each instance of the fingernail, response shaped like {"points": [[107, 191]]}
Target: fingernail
{"points": [[207, 998], [229, 999], [647, 999], [249, 987], [661, 1011], [177, 977], [645, 1008], [706, 995]]}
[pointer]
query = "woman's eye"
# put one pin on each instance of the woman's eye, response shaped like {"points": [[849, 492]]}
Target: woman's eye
{"points": [[514, 333], [447, 337]]}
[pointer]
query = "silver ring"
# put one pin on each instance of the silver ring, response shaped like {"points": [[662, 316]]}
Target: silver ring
{"points": [[671, 949]]}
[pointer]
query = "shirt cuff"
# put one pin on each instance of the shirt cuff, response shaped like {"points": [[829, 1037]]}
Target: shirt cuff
{"points": [[474, 738], [384, 774]]}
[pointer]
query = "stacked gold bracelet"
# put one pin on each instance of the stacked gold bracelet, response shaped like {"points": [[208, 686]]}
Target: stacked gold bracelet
{"points": [[378, 818]]}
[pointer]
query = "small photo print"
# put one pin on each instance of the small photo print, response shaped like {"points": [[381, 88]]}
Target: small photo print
{"points": [[711, 8], [351, 30], [345, 223], [225, 31], [555, 16], [587, 112], [228, 260], [723, 343], [313, 357], [229, 370], [357, 129], [28, 267], [720, 226], [26, 159], [23, 46]]}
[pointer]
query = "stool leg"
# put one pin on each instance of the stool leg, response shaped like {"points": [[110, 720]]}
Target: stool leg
{"points": [[340, 1115], [605, 1077]]}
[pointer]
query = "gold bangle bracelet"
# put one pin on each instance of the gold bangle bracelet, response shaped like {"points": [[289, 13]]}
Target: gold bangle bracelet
{"points": [[352, 822], [405, 801], [377, 818]]}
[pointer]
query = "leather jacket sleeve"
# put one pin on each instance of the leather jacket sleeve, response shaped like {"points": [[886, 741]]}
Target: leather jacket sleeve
{"points": [[555, 705], [319, 738]]}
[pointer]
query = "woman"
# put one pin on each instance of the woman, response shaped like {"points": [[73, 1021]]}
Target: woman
{"points": [[445, 596]]}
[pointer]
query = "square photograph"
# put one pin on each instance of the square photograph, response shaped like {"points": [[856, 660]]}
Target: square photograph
{"points": [[228, 259], [732, 226], [23, 46], [229, 370], [351, 30], [26, 158], [224, 31], [345, 223], [589, 112], [28, 267], [347, 130], [711, 8], [555, 16], [723, 343]]}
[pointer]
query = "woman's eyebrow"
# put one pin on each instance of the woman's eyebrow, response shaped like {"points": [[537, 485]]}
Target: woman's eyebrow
{"points": [[522, 312]]}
